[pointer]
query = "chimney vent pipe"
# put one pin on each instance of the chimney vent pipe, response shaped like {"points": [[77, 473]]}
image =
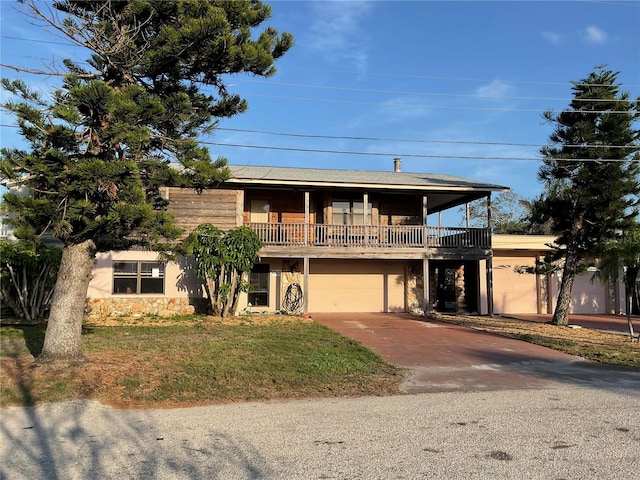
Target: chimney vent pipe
{"points": [[396, 165]]}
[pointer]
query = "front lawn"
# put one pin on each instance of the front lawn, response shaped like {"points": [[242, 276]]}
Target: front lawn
{"points": [[196, 361]]}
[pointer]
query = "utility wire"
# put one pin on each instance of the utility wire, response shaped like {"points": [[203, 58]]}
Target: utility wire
{"points": [[398, 140], [441, 107], [381, 139], [432, 94], [373, 74], [411, 155], [430, 77], [271, 83]]}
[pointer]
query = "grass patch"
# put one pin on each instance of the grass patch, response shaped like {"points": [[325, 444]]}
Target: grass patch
{"points": [[194, 363]]}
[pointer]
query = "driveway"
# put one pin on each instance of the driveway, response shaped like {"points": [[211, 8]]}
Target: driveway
{"points": [[440, 357]]}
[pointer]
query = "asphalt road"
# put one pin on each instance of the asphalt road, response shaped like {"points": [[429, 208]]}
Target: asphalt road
{"points": [[566, 431]]}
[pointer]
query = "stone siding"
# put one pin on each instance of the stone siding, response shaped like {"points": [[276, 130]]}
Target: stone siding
{"points": [[139, 306]]}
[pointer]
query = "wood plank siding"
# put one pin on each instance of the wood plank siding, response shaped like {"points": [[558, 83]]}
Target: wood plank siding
{"points": [[219, 207]]}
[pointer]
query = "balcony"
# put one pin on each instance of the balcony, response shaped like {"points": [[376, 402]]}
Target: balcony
{"points": [[370, 236], [5, 230]]}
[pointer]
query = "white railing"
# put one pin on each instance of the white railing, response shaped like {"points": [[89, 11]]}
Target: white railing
{"points": [[5, 230], [378, 236]]}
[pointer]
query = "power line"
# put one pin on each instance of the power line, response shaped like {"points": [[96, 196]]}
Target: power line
{"points": [[382, 139], [431, 77], [37, 40], [399, 140], [399, 92], [432, 94], [373, 74], [435, 107], [409, 155]]}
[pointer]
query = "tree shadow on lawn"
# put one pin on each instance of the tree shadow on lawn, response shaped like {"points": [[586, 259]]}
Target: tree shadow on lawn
{"points": [[33, 337]]}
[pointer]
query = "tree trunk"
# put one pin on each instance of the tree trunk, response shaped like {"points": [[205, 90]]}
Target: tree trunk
{"points": [[62, 341], [561, 312], [629, 300], [232, 292], [236, 295]]}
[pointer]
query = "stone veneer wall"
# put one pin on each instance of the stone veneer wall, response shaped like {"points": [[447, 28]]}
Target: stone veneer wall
{"points": [[139, 306]]}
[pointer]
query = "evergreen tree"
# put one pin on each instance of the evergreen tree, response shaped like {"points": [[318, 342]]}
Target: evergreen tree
{"points": [[590, 174], [101, 148], [622, 254]]}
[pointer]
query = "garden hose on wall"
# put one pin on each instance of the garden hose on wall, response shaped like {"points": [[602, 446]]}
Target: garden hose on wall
{"points": [[293, 299]]}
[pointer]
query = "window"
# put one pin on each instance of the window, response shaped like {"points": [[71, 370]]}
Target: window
{"points": [[132, 278], [259, 280], [349, 212]]}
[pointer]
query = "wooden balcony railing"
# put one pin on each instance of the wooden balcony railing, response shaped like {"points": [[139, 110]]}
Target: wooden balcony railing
{"points": [[378, 236], [5, 230]]}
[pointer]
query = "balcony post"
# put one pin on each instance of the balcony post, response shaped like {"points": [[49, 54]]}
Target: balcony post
{"points": [[306, 218], [426, 287], [468, 214], [305, 292], [425, 215], [365, 215], [489, 221], [490, 285]]}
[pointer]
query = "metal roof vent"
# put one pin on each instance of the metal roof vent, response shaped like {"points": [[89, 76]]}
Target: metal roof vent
{"points": [[396, 165]]}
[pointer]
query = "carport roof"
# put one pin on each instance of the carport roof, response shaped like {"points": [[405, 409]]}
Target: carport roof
{"points": [[318, 177]]}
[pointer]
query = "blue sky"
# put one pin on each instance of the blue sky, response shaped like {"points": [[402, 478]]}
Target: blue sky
{"points": [[450, 87]]}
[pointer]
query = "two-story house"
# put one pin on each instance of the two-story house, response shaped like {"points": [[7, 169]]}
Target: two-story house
{"points": [[334, 240]]}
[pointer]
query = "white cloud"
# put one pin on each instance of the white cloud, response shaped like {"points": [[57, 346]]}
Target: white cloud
{"points": [[495, 89], [336, 35], [595, 35], [551, 37]]}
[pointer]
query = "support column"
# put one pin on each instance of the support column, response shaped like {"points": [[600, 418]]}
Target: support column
{"points": [[468, 214], [489, 221], [490, 285], [306, 218], [538, 286], [489, 262], [365, 215], [305, 293], [426, 288], [425, 214], [549, 282]]}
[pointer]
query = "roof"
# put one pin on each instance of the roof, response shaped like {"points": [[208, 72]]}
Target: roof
{"points": [[355, 178]]}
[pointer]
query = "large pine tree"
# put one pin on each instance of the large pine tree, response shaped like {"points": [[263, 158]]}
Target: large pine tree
{"points": [[590, 175], [101, 148]]}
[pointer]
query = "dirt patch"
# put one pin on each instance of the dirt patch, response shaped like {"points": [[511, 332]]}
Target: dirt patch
{"points": [[517, 328], [596, 345]]}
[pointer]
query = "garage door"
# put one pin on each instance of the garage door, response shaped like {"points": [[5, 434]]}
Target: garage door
{"points": [[356, 286], [514, 292], [587, 296]]}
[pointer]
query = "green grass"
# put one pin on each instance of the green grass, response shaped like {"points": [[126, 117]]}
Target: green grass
{"points": [[198, 363]]}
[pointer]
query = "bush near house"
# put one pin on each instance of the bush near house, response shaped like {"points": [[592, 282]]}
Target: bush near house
{"points": [[27, 277]]}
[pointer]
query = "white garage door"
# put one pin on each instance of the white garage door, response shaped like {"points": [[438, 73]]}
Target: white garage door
{"points": [[586, 297], [356, 286], [514, 292]]}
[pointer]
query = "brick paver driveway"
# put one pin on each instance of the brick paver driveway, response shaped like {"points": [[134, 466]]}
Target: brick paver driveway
{"points": [[441, 357]]}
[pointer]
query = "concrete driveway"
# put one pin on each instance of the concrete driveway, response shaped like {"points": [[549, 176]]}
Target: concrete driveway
{"points": [[440, 357]]}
